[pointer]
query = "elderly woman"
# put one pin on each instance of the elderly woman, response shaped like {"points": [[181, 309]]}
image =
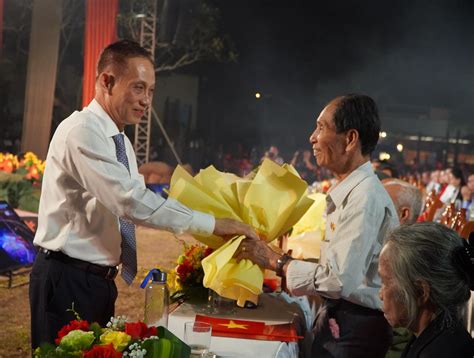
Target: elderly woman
{"points": [[427, 272]]}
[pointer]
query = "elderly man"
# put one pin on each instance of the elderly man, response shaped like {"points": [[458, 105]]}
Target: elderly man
{"points": [[92, 196], [406, 198], [408, 201], [359, 215]]}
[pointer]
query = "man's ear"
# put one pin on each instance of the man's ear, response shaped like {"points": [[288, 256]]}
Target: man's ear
{"points": [[352, 139], [106, 82], [404, 214]]}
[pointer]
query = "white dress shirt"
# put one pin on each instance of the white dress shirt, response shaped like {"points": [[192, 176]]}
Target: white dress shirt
{"points": [[85, 189], [450, 194], [360, 214]]}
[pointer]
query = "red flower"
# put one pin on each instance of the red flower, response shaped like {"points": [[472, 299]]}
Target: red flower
{"points": [[107, 351], [139, 330], [72, 326], [183, 270], [207, 251]]}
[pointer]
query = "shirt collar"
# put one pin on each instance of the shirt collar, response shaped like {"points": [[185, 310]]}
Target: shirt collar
{"points": [[340, 191], [108, 125]]}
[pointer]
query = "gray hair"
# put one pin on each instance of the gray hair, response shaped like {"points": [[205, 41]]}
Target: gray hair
{"points": [[424, 252], [408, 195]]}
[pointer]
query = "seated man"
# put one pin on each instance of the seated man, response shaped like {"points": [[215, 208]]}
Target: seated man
{"points": [[406, 198], [426, 298]]}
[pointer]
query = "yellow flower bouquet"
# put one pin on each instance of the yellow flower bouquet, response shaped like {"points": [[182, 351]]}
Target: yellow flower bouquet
{"points": [[271, 202]]}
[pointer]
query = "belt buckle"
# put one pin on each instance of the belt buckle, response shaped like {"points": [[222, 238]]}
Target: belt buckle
{"points": [[45, 252], [111, 273]]}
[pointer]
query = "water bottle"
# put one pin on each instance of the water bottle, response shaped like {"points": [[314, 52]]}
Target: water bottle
{"points": [[156, 298]]}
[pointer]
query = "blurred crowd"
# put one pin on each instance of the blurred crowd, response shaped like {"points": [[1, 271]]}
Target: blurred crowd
{"points": [[452, 186]]}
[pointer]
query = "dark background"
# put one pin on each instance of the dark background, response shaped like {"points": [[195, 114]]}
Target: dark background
{"points": [[298, 55]]}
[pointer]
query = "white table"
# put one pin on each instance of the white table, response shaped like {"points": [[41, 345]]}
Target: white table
{"points": [[270, 310]]}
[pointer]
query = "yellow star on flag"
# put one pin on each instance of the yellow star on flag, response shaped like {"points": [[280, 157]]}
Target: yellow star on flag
{"points": [[232, 324]]}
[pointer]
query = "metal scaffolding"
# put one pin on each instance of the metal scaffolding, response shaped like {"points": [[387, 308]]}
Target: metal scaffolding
{"points": [[147, 40]]}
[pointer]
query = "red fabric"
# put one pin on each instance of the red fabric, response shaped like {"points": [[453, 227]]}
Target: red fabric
{"points": [[442, 189], [421, 218], [1, 27], [100, 31], [250, 330]]}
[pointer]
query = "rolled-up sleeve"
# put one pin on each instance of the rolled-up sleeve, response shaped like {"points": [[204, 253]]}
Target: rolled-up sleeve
{"points": [[308, 278]]}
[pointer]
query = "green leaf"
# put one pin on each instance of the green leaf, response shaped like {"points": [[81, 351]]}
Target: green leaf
{"points": [[158, 348], [97, 329]]}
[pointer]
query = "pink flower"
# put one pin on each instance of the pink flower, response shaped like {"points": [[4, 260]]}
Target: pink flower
{"points": [[334, 327]]}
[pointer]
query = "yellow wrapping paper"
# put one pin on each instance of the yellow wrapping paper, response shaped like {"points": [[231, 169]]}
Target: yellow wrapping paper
{"points": [[313, 219], [307, 233], [272, 202]]}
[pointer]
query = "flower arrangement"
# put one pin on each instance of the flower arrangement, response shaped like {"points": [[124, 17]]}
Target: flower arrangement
{"points": [[271, 200], [30, 167], [188, 275], [20, 179], [120, 338]]}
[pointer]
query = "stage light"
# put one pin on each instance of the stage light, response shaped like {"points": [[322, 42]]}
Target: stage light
{"points": [[384, 156], [400, 147], [383, 134], [258, 95]]}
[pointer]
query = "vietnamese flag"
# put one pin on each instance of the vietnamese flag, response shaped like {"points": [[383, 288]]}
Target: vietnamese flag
{"points": [[234, 328]]}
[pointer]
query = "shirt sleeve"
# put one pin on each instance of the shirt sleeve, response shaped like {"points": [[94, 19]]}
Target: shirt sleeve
{"points": [[99, 172], [307, 278], [348, 258]]}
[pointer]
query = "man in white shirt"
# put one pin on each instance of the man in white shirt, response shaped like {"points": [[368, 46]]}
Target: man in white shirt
{"points": [[92, 195], [359, 215]]}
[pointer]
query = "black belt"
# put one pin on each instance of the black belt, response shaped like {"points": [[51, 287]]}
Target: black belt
{"points": [[107, 272]]}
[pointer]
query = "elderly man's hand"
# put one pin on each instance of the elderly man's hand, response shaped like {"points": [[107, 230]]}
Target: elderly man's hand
{"points": [[258, 252], [228, 228]]}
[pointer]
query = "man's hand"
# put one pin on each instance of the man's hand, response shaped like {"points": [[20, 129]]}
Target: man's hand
{"points": [[258, 252], [228, 228]]}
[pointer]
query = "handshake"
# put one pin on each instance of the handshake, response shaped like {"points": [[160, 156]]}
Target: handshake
{"points": [[252, 248]]}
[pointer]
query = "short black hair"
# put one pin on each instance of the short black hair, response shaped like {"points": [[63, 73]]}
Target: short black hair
{"points": [[359, 112], [386, 165], [117, 54], [458, 174]]}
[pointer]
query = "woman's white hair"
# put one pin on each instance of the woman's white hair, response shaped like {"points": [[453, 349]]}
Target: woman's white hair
{"points": [[427, 252]]}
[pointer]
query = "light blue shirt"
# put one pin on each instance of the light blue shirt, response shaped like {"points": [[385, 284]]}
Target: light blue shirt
{"points": [[360, 215]]}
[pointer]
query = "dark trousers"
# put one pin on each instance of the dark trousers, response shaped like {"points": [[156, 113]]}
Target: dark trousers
{"points": [[363, 332], [55, 286]]}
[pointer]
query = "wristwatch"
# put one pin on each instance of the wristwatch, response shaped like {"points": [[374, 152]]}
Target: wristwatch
{"points": [[281, 262]]}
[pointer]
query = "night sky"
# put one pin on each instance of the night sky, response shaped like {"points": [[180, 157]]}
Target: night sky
{"points": [[300, 54]]}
